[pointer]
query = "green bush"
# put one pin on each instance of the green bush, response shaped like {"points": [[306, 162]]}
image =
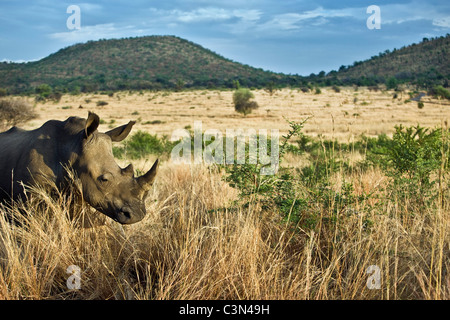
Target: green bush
{"points": [[391, 83], [441, 92], [417, 151], [242, 101], [101, 103], [141, 144], [279, 191], [415, 160], [44, 90]]}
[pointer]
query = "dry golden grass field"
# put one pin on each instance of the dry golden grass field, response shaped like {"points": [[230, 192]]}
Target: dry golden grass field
{"points": [[198, 242], [342, 115]]}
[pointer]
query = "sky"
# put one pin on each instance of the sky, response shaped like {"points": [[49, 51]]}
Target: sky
{"points": [[289, 36]]}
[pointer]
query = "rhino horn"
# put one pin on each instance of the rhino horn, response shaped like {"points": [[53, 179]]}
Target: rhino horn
{"points": [[147, 179], [129, 170]]}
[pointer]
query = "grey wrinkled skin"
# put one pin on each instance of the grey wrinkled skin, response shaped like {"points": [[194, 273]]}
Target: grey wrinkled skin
{"points": [[38, 156]]}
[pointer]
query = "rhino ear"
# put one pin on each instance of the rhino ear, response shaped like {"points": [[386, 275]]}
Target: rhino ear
{"points": [[120, 133], [92, 123]]}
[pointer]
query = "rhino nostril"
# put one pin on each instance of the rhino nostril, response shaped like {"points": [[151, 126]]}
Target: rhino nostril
{"points": [[128, 215], [126, 212]]}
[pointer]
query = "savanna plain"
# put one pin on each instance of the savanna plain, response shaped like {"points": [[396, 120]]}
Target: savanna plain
{"points": [[358, 210]]}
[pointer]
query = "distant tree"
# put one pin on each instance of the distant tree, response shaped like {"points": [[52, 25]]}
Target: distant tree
{"points": [[75, 90], [242, 101], [14, 112], [270, 87], [44, 90], [179, 85], [391, 83], [336, 88], [441, 92]]}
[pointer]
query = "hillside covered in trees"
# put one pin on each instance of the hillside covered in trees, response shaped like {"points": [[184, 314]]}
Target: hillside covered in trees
{"points": [[424, 64], [153, 62], [168, 62]]}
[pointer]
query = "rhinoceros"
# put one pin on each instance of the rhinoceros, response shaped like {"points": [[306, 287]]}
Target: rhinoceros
{"points": [[38, 156]]}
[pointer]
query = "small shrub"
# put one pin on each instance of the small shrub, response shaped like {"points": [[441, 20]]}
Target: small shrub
{"points": [[420, 105], [391, 83], [304, 89], [101, 103], [242, 102], [14, 112], [278, 191], [43, 90], [154, 122], [441, 92], [416, 158], [142, 144], [271, 88]]}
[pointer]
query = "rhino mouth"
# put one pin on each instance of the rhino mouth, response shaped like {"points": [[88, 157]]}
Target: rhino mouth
{"points": [[125, 215]]}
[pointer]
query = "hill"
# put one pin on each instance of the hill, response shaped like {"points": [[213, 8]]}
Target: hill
{"points": [[169, 62], [152, 62], [424, 64]]}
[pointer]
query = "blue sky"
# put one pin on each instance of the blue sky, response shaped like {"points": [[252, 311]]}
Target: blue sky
{"points": [[294, 37]]}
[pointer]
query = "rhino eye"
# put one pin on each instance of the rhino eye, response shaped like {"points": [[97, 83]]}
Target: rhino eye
{"points": [[105, 177]]}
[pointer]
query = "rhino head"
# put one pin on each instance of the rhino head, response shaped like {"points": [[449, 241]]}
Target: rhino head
{"points": [[112, 190]]}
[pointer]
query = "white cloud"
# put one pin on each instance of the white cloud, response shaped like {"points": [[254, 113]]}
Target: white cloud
{"points": [[248, 15], [206, 14], [414, 11], [89, 7], [318, 16], [202, 14], [20, 60], [286, 21], [442, 22]]}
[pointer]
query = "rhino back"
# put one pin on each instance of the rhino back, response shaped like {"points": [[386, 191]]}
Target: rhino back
{"points": [[32, 157]]}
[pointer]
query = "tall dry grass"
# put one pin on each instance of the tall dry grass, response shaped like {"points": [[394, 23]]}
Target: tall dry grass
{"points": [[196, 243]]}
